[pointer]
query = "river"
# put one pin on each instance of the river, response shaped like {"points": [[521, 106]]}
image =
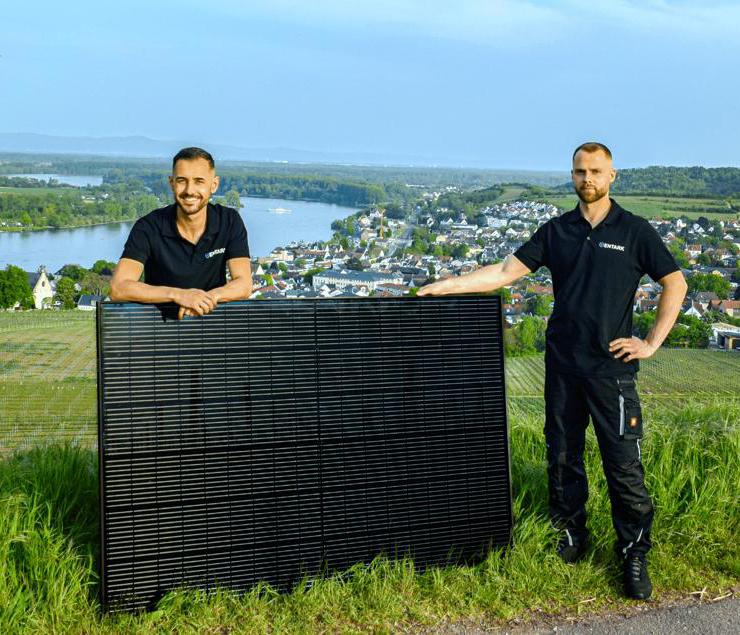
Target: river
{"points": [[84, 245]]}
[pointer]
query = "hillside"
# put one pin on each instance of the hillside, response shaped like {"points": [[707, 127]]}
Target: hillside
{"points": [[688, 182], [49, 511]]}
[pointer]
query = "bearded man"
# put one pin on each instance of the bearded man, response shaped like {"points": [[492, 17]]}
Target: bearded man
{"points": [[183, 249], [597, 254]]}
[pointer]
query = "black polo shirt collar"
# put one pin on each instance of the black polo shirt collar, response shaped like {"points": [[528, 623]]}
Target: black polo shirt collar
{"points": [[612, 216], [170, 230]]}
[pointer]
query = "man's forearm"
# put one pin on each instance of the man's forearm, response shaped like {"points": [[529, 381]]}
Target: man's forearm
{"points": [[135, 291], [669, 305], [486, 278], [238, 289]]}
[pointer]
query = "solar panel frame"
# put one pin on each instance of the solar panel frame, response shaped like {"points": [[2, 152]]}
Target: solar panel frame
{"points": [[277, 439]]}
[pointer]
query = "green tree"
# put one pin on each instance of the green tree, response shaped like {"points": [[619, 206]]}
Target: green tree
{"points": [[679, 256], [460, 251], [698, 334], [14, 288], [308, 276], [539, 304], [704, 259], [232, 199], [642, 323], [95, 284], [354, 264], [74, 272], [103, 267], [526, 338], [65, 293], [709, 282]]}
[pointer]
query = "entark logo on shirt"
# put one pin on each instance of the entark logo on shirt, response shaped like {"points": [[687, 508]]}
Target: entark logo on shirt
{"points": [[611, 246], [215, 252]]}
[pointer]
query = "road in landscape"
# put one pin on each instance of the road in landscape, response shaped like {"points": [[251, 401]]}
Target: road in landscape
{"points": [[687, 618]]}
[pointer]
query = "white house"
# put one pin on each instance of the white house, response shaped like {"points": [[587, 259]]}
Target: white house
{"points": [[40, 287]]}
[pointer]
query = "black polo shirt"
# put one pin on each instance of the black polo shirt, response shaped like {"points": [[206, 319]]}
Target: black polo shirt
{"points": [[171, 261], [595, 274]]}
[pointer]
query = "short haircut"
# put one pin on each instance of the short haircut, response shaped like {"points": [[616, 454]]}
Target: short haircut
{"points": [[188, 154], [592, 146]]}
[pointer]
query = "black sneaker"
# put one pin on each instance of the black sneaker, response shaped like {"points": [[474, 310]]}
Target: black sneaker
{"points": [[570, 550], [637, 583]]}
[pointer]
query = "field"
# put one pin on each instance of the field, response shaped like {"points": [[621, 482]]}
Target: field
{"points": [[660, 206], [49, 510], [34, 190], [47, 379]]}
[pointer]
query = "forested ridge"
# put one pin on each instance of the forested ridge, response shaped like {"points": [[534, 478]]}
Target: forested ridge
{"points": [[689, 182]]}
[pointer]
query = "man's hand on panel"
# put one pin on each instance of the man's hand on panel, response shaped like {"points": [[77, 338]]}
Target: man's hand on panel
{"points": [[194, 302]]}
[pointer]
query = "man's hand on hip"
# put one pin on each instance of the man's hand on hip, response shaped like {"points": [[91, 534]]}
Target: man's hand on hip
{"points": [[631, 348], [194, 302]]}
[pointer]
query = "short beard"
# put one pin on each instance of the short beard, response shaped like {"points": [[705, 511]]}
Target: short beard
{"points": [[182, 209], [592, 196]]}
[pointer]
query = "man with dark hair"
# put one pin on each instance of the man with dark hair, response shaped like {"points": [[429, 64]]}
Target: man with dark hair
{"points": [[597, 254], [184, 248]]}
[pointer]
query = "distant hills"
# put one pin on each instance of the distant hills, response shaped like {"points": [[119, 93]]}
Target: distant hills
{"points": [[139, 146], [680, 181], [145, 147], [657, 180]]}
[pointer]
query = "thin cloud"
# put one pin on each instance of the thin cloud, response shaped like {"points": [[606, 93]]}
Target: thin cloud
{"points": [[502, 22]]}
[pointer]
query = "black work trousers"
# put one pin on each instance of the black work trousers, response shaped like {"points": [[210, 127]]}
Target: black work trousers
{"points": [[614, 408]]}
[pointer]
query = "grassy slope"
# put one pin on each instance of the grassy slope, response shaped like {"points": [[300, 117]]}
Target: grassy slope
{"points": [[48, 511]]}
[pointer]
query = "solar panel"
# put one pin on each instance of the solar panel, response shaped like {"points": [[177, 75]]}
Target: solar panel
{"points": [[271, 440]]}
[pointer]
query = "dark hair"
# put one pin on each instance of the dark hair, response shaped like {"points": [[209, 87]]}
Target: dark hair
{"points": [[188, 154], [592, 146]]}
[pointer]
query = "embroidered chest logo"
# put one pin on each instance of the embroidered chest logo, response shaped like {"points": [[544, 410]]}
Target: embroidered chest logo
{"points": [[215, 252], [611, 246]]}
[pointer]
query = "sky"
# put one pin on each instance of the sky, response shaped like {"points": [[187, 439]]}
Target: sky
{"points": [[489, 83]]}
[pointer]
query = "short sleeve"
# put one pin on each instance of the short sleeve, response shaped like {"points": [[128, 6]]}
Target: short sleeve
{"points": [[138, 245], [653, 256], [238, 242], [533, 254]]}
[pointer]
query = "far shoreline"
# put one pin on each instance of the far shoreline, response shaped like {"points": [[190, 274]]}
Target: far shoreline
{"points": [[18, 230]]}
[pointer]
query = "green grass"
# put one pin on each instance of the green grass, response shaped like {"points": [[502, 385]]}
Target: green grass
{"points": [[35, 190], [510, 193], [49, 524], [49, 514], [659, 206]]}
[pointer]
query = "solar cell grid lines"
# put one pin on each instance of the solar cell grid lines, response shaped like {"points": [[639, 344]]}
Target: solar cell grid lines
{"points": [[269, 440]]}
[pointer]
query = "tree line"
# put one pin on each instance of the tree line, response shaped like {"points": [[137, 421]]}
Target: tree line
{"points": [[684, 182], [76, 206], [293, 187]]}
